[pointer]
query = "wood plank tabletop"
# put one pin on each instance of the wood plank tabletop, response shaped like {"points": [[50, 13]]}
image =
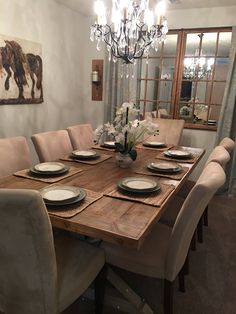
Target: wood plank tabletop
{"points": [[114, 220]]}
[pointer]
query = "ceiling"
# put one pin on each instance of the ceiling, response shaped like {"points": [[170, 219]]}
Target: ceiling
{"points": [[86, 6]]}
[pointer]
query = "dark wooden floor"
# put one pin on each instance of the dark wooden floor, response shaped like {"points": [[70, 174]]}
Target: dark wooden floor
{"points": [[211, 284]]}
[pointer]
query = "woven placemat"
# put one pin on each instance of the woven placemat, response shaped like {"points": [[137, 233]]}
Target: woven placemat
{"points": [[176, 176], [68, 211], [47, 178], [162, 149], [153, 199], [103, 148], [191, 160], [96, 161]]}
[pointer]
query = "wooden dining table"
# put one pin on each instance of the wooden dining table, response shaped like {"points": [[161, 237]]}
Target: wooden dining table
{"points": [[119, 221]]}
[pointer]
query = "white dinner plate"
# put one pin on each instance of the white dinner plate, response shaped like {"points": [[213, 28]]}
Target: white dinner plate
{"points": [[154, 144], [164, 166], [85, 154], [57, 194], [109, 144], [49, 167], [177, 153], [138, 184]]}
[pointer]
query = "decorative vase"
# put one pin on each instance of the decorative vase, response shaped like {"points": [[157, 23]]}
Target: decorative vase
{"points": [[123, 160]]}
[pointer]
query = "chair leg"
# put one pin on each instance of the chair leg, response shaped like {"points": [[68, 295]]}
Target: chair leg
{"points": [[168, 297], [193, 242], [99, 290], [186, 265], [205, 216], [181, 280], [200, 230]]}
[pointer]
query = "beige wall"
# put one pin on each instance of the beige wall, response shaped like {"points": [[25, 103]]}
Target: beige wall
{"points": [[66, 53]]}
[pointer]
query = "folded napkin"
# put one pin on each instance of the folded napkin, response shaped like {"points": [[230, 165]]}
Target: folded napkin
{"points": [[102, 158], [26, 173], [68, 211], [154, 199], [173, 175]]}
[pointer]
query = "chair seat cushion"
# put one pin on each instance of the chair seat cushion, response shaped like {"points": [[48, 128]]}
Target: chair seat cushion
{"points": [[78, 263], [149, 260]]}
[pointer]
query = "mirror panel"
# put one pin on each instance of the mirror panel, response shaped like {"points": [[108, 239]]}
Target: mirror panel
{"points": [[224, 44], [209, 41]]}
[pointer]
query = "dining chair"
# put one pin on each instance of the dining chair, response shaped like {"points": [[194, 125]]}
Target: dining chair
{"points": [[39, 273], [170, 131], [14, 155], [52, 145], [228, 144], [81, 136], [219, 155], [164, 251]]}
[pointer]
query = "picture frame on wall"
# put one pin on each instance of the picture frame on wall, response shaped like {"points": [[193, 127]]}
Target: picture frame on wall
{"points": [[21, 71]]}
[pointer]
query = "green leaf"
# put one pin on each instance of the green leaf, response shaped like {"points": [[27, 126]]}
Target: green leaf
{"points": [[133, 154]]}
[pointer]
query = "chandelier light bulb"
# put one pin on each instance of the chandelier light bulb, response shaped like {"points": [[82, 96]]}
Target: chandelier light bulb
{"points": [[99, 8]]}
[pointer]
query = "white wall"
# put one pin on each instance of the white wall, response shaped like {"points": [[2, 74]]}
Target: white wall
{"points": [[66, 54]]}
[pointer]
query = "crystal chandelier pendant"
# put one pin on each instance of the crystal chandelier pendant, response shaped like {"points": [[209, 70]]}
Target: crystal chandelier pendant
{"points": [[133, 30]]}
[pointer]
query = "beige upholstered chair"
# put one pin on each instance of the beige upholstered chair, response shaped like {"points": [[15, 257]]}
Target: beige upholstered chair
{"points": [[228, 144], [39, 274], [52, 145], [165, 249], [81, 136], [219, 155], [170, 131], [14, 155]]}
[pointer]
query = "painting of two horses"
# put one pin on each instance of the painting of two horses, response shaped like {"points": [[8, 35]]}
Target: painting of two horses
{"points": [[21, 71]]}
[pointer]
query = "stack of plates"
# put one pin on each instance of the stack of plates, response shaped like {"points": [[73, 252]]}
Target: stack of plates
{"points": [[50, 168], [109, 144], [180, 154], [211, 122], [85, 154], [139, 185], [62, 195], [165, 167], [154, 144]]}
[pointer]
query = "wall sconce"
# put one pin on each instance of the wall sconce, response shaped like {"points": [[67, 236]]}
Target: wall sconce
{"points": [[97, 79]]}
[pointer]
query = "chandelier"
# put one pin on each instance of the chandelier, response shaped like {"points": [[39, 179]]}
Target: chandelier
{"points": [[132, 31], [198, 67]]}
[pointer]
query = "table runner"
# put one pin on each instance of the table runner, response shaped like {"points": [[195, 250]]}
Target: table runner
{"points": [[68, 211], [175, 176], [96, 161], [47, 178], [153, 199]]}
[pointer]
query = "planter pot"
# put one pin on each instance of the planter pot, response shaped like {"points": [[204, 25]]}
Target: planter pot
{"points": [[124, 160]]}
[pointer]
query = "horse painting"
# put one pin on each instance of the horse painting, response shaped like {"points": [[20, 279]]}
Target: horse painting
{"points": [[15, 62]]}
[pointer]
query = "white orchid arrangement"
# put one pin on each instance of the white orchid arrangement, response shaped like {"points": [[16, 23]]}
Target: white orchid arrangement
{"points": [[127, 130]]}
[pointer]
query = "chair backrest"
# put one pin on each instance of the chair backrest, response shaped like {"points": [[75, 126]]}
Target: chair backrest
{"points": [[28, 272], [162, 113], [81, 136], [220, 155], [14, 155], [211, 179], [170, 130], [52, 145], [228, 144]]}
